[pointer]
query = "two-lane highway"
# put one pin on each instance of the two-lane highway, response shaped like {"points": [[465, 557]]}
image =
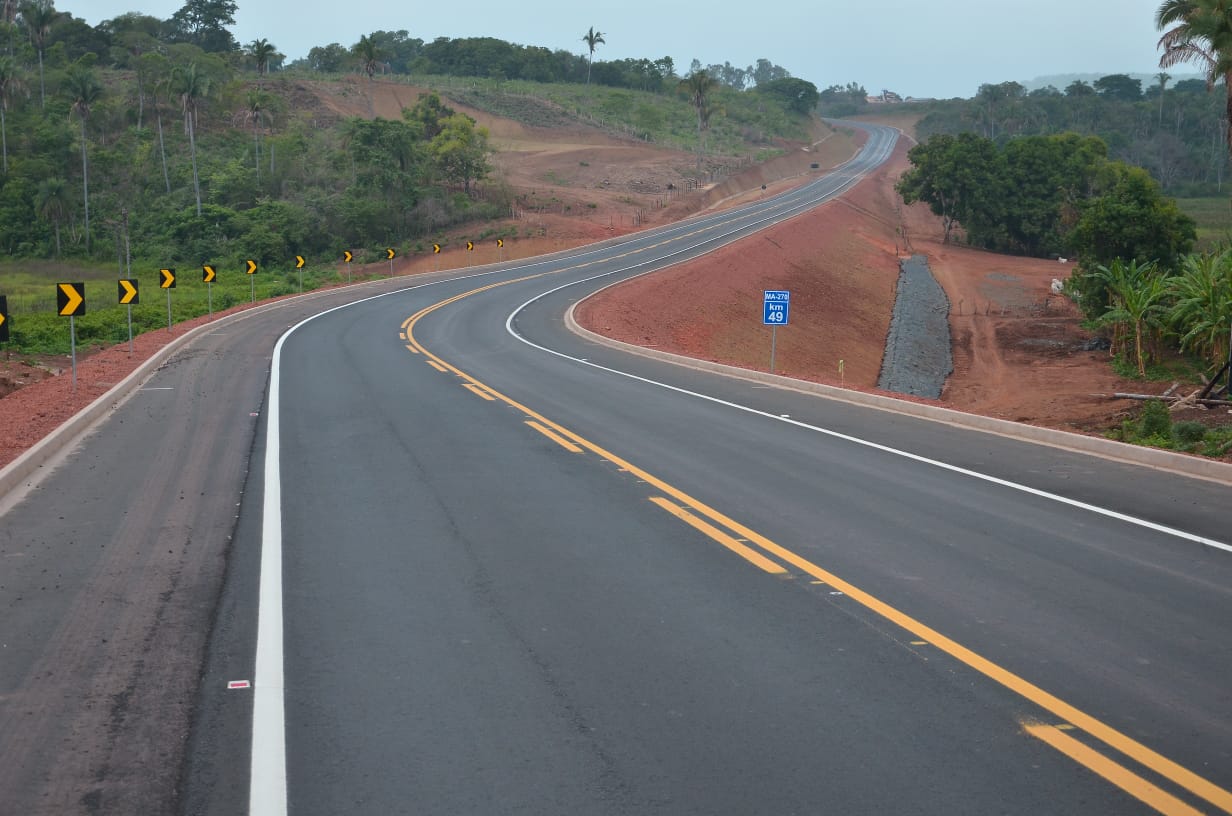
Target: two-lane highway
{"points": [[485, 565], [518, 572]]}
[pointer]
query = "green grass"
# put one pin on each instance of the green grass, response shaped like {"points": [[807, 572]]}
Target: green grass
{"points": [[1214, 217], [36, 328], [743, 123]]}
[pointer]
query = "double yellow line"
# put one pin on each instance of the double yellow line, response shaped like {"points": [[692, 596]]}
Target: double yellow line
{"points": [[770, 557]]}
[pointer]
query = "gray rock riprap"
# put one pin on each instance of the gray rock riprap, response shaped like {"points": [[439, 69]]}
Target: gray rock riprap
{"points": [[918, 357]]}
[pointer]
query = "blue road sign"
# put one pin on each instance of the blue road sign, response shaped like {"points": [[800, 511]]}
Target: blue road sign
{"points": [[776, 307]]}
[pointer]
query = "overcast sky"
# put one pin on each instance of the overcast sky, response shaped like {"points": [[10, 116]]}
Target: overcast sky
{"points": [[941, 48]]}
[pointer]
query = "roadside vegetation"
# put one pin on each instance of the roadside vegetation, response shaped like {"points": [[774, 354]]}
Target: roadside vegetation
{"points": [[143, 143]]}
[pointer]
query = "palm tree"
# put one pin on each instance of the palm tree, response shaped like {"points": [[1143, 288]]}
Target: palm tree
{"points": [[156, 65], [39, 16], [255, 112], [592, 38], [50, 203], [699, 86], [369, 53], [10, 83], [262, 52], [1199, 32], [84, 89], [1202, 307], [1163, 77], [192, 87], [1138, 301]]}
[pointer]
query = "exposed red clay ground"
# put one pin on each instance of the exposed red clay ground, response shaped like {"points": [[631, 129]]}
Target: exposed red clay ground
{"points": [[1014, 343]]}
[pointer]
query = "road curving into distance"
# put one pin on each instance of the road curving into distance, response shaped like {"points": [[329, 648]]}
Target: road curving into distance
{"points": [[501, 567]]}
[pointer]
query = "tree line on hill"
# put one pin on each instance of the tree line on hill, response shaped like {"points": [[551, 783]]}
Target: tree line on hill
{"points": [[169, 136]]}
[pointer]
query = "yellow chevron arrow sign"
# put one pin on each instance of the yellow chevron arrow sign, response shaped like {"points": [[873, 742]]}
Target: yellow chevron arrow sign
{"points": [[252, 266], [71, 299], [166, 279], [346, 255], [128, 292], [299, 261], [391, 253], [208, 274]]}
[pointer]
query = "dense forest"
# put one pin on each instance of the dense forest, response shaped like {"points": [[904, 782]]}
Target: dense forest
{"points": [[169, 138], [1178, 132]]}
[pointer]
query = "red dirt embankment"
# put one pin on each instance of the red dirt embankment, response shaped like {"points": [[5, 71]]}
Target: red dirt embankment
{"points": [[1017, 346]]}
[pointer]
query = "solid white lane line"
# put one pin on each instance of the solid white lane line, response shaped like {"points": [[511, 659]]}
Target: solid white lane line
{"points": [[268, 782], [267, 793], [1043, 494]]}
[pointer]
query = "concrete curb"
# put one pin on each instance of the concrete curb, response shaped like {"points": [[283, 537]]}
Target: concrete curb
{"points": [[1106, 448]]}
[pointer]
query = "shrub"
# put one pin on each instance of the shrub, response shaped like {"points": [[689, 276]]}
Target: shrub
{"points": [[1156, 421], [1188, 434]]}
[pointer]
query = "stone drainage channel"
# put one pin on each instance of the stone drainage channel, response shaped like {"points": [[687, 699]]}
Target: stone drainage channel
{"points": [[918, 358]]}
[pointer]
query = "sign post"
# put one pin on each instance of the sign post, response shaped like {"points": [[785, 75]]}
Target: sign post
{"points": [[252, 282], [776, 308], [299, 264], [70, 302], [500, 250], [128, 296], [208, 274], [167, 282], [347, 256], [390, 252]]}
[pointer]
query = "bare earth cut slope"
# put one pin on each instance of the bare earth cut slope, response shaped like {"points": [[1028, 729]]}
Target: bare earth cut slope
{"points": [[1017, 348]]}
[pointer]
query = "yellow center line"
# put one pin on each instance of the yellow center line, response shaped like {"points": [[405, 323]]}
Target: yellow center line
{"points": [[1118, 775], [437, 365], [555, 437], [1049, 702], [477, 391], [718, 535]]}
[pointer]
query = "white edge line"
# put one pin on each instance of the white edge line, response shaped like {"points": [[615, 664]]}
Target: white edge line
{"points": [[267, 795], [1149, 525]]}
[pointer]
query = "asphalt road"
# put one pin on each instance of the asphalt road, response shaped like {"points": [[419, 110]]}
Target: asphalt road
{"points": [[503, 569]]}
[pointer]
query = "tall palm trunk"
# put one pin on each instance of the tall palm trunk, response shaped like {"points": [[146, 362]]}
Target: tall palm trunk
{"points": [[85, 182], [192, 144], [162, 148], [4, 138], [56, 222], [42, 84]]}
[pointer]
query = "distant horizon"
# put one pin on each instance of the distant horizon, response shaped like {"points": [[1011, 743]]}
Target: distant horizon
{"points": [[925, 52]]}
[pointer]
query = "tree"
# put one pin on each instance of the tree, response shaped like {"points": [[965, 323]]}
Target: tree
{"points": [[39, 16], [256, 111], [1119, 86], [957, 177], [157, 67], [1199, 32], [50, 203], [428, 115], [10, 84], [203, 23], [85, 90], [699, 85], [797, 95], [1202, 304], [263, 52], [1163, 78], [1138, 292], [592, 38], [192, 87], [766, 71], [1131, 220], [460, 150], [369, 53], [328, 59]]}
